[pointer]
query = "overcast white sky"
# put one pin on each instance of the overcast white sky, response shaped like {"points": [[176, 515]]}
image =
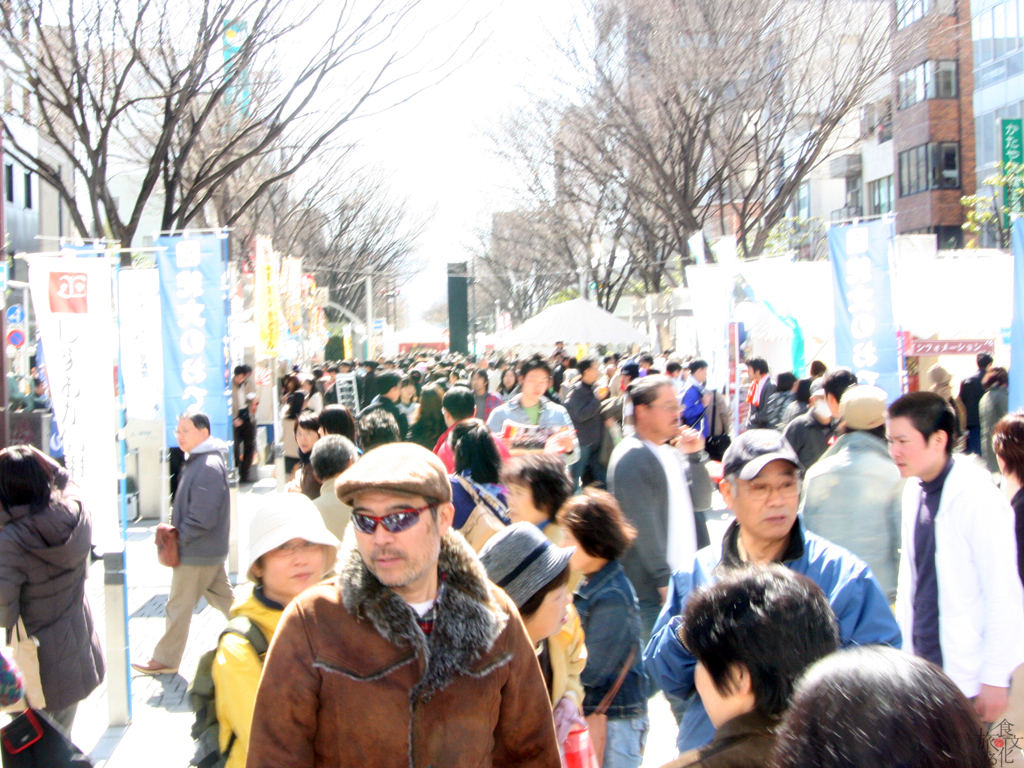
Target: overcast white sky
{"points": [[434, 148]]}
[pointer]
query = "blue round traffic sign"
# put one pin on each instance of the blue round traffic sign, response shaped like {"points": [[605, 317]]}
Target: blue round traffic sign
{"points": [[15, 314], [16, 338]]}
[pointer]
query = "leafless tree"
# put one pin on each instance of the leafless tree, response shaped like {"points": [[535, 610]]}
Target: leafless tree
{"points": [[512, 264], [573, 225], [681, 116], [150, 99], [725, 106], [345, 225]]}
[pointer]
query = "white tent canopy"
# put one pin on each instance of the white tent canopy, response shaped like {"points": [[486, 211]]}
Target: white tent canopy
{"points": [[421, 333], [573, 322]]}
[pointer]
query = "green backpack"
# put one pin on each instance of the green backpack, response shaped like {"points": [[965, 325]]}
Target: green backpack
{"points": [[202, 696]]}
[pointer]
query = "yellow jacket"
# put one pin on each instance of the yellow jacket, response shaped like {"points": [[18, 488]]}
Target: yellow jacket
{"points": [[568, 658], [236, 675], [554, 533]]}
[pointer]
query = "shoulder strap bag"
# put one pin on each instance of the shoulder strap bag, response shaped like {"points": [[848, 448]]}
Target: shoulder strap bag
{"points": [[597, 722]]}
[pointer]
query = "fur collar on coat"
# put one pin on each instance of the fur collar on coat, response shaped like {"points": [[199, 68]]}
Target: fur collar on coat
{"points": [[466, 620]]}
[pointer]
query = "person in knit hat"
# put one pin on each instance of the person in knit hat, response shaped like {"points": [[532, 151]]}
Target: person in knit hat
{"points": [[534, 573], [411, 656], [290, 549]]}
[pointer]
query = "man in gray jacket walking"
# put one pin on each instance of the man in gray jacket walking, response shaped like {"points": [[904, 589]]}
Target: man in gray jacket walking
{"points": [[651, 476], [201, 514]]}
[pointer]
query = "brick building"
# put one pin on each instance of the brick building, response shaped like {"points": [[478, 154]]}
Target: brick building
{"points": [[933, 123]]}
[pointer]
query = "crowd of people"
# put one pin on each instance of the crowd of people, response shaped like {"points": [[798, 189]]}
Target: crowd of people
{"points": [[487, 560]]}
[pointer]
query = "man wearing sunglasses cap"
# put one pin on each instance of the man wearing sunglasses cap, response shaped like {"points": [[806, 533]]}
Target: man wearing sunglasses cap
{"points": [[411, 656], [761, 485]]}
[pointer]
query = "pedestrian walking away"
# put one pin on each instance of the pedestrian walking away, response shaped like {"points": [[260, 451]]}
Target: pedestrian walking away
{"points": [[45, 539], [972, 389]]}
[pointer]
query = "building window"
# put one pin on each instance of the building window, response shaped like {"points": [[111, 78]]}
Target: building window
{"points": [[803, 201], [28, 190], [930, 80], [997, 34], [909, 11], [880, 194], [9, 182], [929, 166]]}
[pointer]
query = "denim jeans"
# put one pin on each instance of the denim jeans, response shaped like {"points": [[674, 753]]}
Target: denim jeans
{"points": [[624, 747], [973, 441], [589, 458]]}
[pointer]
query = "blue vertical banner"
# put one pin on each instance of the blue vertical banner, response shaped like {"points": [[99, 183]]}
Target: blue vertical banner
{"points": [[56, 444], [866, 338], [192, 286], [1017, 324]]}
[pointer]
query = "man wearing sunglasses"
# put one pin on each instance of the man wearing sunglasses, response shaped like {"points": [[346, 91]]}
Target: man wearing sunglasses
{"points": [[761, 485], [411, 656]]}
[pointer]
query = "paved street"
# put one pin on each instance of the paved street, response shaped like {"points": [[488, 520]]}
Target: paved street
{"points": [[161, 716]]}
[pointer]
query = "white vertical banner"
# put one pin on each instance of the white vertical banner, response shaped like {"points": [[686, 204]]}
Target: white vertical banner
{"points": [[142, 364], [72, 301]]}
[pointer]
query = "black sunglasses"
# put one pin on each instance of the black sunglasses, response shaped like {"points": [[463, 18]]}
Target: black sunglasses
{"points": [[396, 522]]}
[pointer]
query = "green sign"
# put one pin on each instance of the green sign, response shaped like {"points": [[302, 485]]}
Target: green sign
{"points": [[1011, 131]]}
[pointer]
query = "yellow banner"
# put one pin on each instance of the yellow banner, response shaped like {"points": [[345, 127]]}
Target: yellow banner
{"points": [[291, 287], [267, 306]]}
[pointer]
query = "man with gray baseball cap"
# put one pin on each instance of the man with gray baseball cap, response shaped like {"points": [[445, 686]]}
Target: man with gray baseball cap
{"points": [[761, 484], [389, 665]]}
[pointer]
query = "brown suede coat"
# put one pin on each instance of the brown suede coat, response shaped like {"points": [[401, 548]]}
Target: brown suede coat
{"points": [[351, 680]]}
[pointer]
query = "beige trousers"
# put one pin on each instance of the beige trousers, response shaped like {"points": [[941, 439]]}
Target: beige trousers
{"points": [[188, 584]]}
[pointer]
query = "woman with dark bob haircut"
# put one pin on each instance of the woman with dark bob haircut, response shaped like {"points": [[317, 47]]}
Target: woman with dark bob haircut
{"points": [[875, 706], [45, 539], [593, 523]]}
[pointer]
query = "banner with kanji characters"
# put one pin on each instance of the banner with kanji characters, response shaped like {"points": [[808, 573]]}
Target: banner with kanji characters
{"points": [[866, 342], [266, 299], [142, 365], [72, 302], [192, 298], [1017, 324], [291, 294]]}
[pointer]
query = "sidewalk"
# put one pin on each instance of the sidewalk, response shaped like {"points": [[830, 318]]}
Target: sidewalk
{"points": [[161, 717]]}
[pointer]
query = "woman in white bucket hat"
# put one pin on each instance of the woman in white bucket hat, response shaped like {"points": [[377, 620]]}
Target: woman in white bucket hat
{"points": [[290, 549]]}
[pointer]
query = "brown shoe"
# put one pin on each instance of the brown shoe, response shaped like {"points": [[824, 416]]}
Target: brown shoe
{"points": [[154, 667]]}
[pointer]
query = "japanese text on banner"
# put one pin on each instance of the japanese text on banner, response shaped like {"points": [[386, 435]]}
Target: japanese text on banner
{"points": [[192, 297], [865, 330], [72, 301]]}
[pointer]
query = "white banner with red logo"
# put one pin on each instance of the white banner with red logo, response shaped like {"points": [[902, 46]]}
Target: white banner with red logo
{"points": [[72, 302]]}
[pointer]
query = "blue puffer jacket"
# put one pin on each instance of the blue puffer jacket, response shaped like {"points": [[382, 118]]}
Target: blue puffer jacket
{"points": [[860, 606]]}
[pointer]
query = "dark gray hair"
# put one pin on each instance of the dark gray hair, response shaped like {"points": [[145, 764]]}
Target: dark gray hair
{"points": [[644, 391], [332, 455]]}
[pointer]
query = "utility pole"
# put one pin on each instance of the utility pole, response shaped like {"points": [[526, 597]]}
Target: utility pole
{"points": [[5, 427], [369, 317]]}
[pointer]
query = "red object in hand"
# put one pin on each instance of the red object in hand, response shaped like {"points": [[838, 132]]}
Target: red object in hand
{"points": [[579, 750]]}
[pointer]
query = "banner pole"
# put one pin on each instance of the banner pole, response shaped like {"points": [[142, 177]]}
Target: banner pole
{"points": [[115, 564], [230, 407]]}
